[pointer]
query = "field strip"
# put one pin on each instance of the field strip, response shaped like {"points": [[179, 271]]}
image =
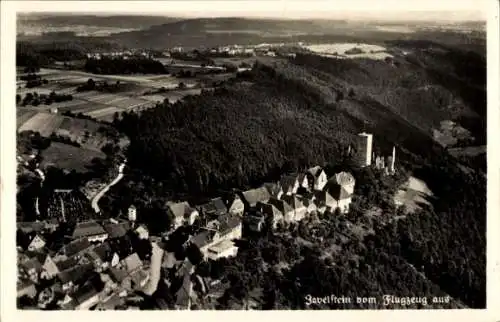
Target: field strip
{"points": [[44, 123], [103, 111], [23, 117]]}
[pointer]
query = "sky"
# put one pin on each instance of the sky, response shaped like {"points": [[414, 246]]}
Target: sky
{"points": [[444, 10]]}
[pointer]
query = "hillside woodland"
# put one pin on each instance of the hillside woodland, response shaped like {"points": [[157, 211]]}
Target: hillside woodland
{"points": [[305, 111]]}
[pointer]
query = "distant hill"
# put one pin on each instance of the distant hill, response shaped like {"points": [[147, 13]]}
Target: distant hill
{"points": [[165, 32], [117, 21]]}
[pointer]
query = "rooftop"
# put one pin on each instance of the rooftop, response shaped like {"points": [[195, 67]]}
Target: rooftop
{"points": [[75, 247], [253, 196], [87, 229]]}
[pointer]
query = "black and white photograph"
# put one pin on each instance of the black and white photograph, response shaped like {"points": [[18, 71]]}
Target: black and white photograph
{"points": [[302, 156]]}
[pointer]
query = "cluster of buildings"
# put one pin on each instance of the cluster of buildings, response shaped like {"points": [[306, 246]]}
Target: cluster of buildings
{"points": [[92, 265], [125, 54], [100, 264]]}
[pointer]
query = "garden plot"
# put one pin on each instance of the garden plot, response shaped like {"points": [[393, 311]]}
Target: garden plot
{"points": [[44, 123]]}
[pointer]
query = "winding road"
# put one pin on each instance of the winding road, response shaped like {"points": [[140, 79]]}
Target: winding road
{"points": [[155, 269], [101, 193]]}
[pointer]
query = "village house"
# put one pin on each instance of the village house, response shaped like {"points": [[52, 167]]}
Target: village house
{"points": [[342, 196], [116, 229], [100, 256], [225, 228], [38, 242], [317, 178], [255, 222], [90, 230], [85, 297], [273, 215], [26, 288], [286, 210], [74, 248], [184, 295], [29, 240], [49, 269], [224, 248], [345, 180], [213, 208], [142, 232], [274, 189], [324, 201], [31, 269], [182, 212], [291, 183], [300, 210], [251, 197], [75, 276], [234, 204]]}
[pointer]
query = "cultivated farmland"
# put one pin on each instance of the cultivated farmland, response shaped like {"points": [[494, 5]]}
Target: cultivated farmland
{"points": [[44, 123]]}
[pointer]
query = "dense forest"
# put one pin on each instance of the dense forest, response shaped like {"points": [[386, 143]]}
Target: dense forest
{"points": [[107, 65]]}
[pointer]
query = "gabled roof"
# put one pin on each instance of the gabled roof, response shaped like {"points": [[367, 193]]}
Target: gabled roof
{"points": [[323, 196], [67, 264], [293, 201], [31, 226], [179, 209], [132, 262], [214, 206], [344, 178], [281, 205], [255, 195], [103, 251], [338, 192], [84, 293], [141, 229], [315, 171], [270, 209], [273, 188], [87, 229], [139, 276], [227, 222], [203, 238], [75, 247], [116, 230], [76, 274], [32, 264], [117, 274], [288, 181]]}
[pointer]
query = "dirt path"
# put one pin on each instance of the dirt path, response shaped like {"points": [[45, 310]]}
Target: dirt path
{"points": [[101, 193]]}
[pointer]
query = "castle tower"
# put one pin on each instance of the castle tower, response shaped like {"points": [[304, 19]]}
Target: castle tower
{"points": [[392, 168], [363, 156], [132, 214]]}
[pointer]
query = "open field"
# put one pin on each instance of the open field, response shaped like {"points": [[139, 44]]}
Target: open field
{"points": [[86, 132], [69, 157], [341, 50], [45, 123], [412, 194], [23, 116]]}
